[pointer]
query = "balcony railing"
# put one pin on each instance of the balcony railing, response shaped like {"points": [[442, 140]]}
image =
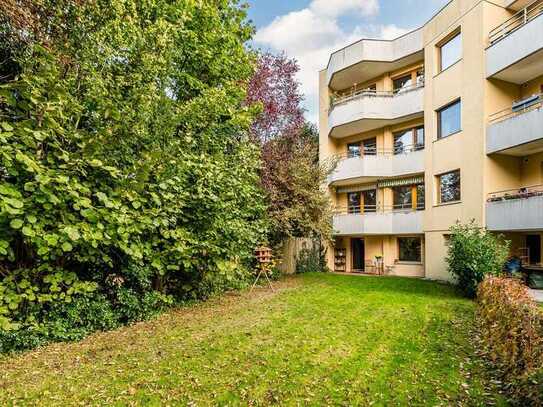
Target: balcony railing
{"points": [[519, 20], [378, 209], [373, 151], [515, 194], [371, 93], [518, 108]]}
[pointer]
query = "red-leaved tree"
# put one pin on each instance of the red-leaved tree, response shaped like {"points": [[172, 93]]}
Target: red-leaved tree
{"points": [[291, 174]]}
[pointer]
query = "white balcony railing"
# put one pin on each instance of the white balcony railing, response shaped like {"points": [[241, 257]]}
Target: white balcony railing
{"points": [[520, 19], [515, 210], [518, 108]]}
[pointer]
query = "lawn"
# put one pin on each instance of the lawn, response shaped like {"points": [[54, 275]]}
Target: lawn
{"points": [[320, 339]]}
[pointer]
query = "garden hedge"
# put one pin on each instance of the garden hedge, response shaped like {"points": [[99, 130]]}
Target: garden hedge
{"points": [[511, 332]]}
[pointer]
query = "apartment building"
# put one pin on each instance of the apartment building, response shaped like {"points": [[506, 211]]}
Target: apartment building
{"points": [[443, 124]]}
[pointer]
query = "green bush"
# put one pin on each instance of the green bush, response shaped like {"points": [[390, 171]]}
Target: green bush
{"points": [[312, 259], [474, 253], [126, 174], [511, 331]]}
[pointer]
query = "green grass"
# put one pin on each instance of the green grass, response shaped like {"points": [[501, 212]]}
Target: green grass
{"points": [[319, 340]]}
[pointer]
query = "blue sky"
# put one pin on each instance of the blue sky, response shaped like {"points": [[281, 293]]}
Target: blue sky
{"points": [[309, 30]]}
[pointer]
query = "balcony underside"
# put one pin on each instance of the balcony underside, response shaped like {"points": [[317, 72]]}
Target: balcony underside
{"points": [[519, 136], [369, 58], [392, 223], [366, 169], [518, 57], [365, 70], [369, 124], [524, 214]]}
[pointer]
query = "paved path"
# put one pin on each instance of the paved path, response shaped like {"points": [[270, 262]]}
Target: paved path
{"points": [[537, 294]]}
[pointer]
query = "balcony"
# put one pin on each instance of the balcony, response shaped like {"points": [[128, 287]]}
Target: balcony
{"points": [[368, 110], [378, 165], [515, 210], [517, 131], [367, 59], [382, 221], [515, 52]]}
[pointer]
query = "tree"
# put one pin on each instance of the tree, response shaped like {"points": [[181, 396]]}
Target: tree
{"points": [[473, 254], [291, 173], [125, 163]]}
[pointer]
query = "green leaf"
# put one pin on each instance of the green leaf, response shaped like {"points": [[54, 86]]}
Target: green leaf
{"points": [[28, 231], [16, 224], [67, 247]]}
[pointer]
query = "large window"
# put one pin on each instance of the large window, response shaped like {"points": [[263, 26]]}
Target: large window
{"points": [[353, 150], [370, 146], [370, 200], [410, 249], [354, 201], [403, 197], [403, 83], [409, 140], [449, 119], [450, 52], [421, 197], [449, 187]]}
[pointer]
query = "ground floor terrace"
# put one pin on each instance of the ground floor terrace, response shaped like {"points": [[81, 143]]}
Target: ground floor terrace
{"points": [[398, 255]]}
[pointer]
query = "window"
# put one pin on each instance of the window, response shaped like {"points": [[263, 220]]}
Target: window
{"points": [[370, 146], [403, 197], [354, 202], [421, 197], [402, 83], [450, 52], [449, 120], [449, 187], [409, 140], [353, 150], [370, 200], [410, 249]]}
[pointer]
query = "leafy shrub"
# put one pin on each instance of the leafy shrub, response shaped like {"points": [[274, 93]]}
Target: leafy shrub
{"points": [[511, 332], [474, 253], [126, 171], [311, 259]]}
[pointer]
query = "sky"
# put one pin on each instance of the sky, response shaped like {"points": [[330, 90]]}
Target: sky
{"points": [[310, 30]]}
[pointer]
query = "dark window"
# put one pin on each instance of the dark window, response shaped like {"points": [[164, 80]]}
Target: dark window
{"points": [[402, 83], [410, 249], [450, 52], [419, 138], [409, 140], [370, 146], [403, 197], [420, 197], [449, 187], [353, 150], [370, 200], [354, 202], [449, 120]]}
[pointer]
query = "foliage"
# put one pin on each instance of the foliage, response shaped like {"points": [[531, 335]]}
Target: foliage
{"points": [[126, 171], [474, 253], [386, 342], [291, 174], [274, 86], [312, 259], [511, 332]]}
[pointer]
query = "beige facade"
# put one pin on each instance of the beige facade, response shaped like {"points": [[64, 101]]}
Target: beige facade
{"points": [[408, 117]]}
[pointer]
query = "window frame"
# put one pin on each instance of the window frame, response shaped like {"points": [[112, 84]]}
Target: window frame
{"points": [[414, 136], [420, 250], [447, 40], [439, 188], [439, 113]]}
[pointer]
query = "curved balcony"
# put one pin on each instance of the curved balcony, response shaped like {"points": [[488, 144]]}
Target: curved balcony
{"points": [[367, 59], [515, 210], [370, 110], [379, 165], [517, 131], [383, 221], [515, 52]]}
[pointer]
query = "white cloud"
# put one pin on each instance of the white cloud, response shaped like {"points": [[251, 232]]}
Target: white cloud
{"points": [[310, 35]]}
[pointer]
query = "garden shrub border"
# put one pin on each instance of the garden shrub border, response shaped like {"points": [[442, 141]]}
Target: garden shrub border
{"points": [[511, 334]]}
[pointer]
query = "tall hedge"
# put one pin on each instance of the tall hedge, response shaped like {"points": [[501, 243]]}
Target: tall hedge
{"points": [[126, 177]]}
